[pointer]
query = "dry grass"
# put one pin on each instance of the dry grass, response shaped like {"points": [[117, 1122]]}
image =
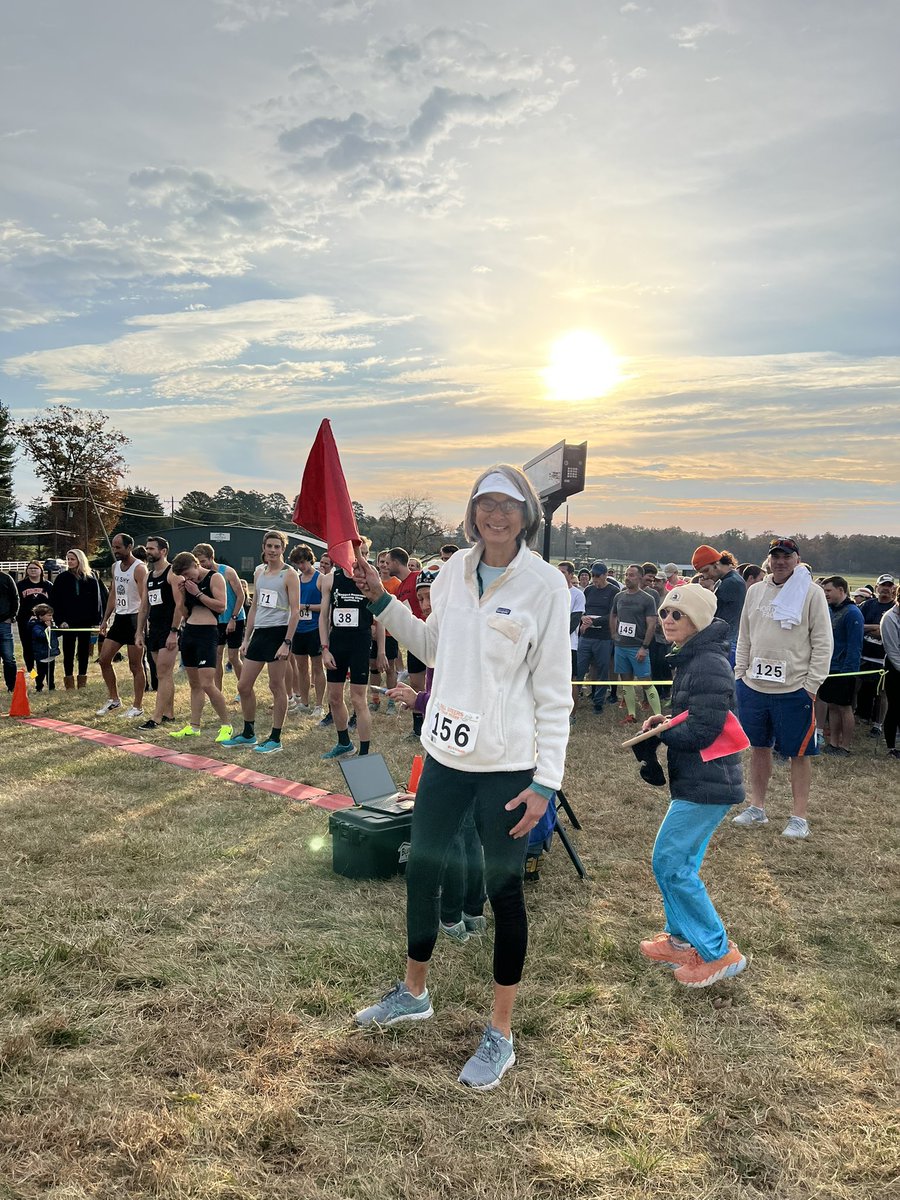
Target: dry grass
{"points": [[178, 967]]}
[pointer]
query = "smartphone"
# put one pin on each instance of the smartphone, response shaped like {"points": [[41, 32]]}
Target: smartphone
{"points": [[383, 691]]}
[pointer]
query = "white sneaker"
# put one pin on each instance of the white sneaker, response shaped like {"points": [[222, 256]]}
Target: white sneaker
{"points": [[797, 827], [316, 712], [108, 707], [130, 713], [302, 709], [751, 816]]}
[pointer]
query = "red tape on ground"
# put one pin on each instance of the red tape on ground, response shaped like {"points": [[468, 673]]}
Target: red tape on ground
{"points": [[231, 772]]}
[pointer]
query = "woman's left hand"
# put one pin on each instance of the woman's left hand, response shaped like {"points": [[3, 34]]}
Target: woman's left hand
{"points": [[535, 807]]}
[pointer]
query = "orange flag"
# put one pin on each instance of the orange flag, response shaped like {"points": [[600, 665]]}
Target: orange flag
{"points": [[323, 506]]}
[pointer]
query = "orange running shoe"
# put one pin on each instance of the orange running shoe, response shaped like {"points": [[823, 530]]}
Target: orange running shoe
{"points": [[665, 950], [697, 973], [629, 720]]}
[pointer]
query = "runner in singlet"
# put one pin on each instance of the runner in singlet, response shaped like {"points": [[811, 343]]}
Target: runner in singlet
{"points": [[391, 648], [200, 598], [306, 649], [345, 631], [157, 630], [267, 641], [119, 626], [232, 621]]}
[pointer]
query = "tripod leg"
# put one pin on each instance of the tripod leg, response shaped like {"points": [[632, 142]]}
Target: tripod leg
{"points": [[563, 803], [571, 851]]}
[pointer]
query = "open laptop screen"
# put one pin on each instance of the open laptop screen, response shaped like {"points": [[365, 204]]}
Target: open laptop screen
{"points": [[368, 778]]}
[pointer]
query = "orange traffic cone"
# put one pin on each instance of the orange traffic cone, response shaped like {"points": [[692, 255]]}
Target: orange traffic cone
{"points": [[19, 707], [415, 774]]}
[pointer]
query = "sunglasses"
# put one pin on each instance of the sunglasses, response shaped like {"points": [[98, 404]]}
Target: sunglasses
{"points": [[675, 613]]}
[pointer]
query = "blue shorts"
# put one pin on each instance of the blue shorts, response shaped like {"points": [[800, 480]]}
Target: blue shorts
{"points": [[627, 660], [783, 720]]}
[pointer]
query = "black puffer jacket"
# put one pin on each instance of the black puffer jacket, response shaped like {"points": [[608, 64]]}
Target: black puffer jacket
{"points": [[704, 684]]}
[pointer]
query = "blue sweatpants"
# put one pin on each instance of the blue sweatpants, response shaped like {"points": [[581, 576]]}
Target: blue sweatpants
{"points": [[677, 856]]}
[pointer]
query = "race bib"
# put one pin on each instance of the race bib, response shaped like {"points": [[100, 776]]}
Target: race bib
{"points": [[345, 618], [121, 602], [768, 670], [154, 597], [267, 599], [305, 614], [453, 729], [627, 629]]}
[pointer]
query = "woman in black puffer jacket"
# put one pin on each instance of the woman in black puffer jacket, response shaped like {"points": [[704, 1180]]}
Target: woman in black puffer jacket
{"points": [[695, 942]]}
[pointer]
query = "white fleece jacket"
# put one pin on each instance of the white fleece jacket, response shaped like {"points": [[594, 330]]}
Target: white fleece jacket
{"points": [[505, 657]]}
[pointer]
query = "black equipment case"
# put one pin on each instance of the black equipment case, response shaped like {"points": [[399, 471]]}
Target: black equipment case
{"points": [[366, 844]]}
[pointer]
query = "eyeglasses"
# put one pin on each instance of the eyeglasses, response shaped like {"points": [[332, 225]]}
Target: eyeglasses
{"points": [[675, 613], [486, 504]]}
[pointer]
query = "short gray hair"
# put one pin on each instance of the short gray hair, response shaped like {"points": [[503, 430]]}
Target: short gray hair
{"points": [[533, 511]]}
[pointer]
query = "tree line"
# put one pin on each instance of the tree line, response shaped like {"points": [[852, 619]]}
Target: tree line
{"points": [[79, 459]]}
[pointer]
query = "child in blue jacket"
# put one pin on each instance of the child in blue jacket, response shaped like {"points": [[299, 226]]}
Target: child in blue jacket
{"points": [[45, 645]]}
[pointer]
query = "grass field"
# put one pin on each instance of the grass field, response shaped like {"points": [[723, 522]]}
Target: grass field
{"points": [[179, 967]]}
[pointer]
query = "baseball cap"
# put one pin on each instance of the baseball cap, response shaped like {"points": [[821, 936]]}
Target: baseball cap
{"points": [[885, 579], [425, 579], [671, 568], [704, 556], [864, 590], [599, 568], [784, 544]]}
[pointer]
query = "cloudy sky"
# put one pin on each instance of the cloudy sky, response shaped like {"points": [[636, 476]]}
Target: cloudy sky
{"points": [[223, 220]]}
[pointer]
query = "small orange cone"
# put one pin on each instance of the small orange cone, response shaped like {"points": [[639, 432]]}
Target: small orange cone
{"points": [[19, 707], [415, 774]]}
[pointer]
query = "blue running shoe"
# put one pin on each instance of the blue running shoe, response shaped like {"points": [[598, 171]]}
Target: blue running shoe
{"points": [[399, 1004], [489, 1063], [268, 747], [340, 751], [240, 740]]}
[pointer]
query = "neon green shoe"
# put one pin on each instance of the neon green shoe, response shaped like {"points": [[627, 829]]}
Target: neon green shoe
{"points": [[187, 731], [225, 732]]}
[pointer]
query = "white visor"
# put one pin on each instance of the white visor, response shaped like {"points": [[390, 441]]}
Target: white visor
{"points": [[495, 482]]}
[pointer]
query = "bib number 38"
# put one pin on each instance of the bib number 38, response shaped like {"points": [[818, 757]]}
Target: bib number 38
{"points": [[452, 729]]}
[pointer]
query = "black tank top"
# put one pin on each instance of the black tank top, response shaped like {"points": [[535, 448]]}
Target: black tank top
{"points": [[161, 607], [350, 616], [191, 602]]}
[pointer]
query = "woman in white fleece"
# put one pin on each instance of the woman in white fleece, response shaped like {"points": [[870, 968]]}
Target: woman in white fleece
{"points": [[495, 729]]}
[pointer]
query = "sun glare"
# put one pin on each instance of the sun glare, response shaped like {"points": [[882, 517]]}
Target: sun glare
{"points": [[582, 367]]}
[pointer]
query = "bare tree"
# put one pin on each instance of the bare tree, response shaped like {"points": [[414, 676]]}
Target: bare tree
{"points": [[412, 522]]}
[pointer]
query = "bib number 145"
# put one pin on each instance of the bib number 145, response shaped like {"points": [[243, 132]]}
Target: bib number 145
{"points": [[453, 730]]}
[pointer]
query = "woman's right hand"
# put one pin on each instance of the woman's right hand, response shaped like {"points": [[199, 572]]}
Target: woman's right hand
{"points": [[367, 578], [652, 722], [404, 693]]}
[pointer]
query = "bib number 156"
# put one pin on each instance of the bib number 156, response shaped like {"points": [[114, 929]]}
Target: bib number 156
{"points": [[453, 730]]}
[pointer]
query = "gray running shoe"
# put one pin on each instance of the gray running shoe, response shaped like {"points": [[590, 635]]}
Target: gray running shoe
{"points": [[751, 816], [456, 932], [489, 1063], [797, 827], [399, 1004], [475, 925]]}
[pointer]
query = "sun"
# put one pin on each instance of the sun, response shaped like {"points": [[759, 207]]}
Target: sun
{"points": [[582, 367]]}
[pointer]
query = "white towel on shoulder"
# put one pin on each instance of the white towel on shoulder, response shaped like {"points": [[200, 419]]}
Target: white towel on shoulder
{"points": [[788, 606]]}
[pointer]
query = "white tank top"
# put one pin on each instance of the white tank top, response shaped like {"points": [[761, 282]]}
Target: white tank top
{"points": [[128, 599]]}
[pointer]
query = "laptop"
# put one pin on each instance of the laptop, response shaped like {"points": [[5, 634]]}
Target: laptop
{"points": [[370, 785]]}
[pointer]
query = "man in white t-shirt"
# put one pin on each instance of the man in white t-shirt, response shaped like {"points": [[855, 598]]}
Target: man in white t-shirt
{"points": [[576, 612]]}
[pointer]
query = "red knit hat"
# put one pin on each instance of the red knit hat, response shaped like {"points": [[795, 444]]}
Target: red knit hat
{"points": [[704, 556]]}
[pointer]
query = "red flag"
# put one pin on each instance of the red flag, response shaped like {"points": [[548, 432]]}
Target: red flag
{"points": [[323, 506], [731, 740]]}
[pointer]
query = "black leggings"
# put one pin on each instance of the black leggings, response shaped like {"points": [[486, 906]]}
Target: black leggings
{"points": [[892, 716], [84, 652], [443, 799]]}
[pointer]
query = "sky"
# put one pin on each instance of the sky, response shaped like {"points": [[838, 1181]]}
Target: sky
{"points": [[222, 221]]}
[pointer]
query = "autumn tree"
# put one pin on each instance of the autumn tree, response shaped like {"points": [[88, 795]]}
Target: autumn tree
{"points": [[77, 457]]}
